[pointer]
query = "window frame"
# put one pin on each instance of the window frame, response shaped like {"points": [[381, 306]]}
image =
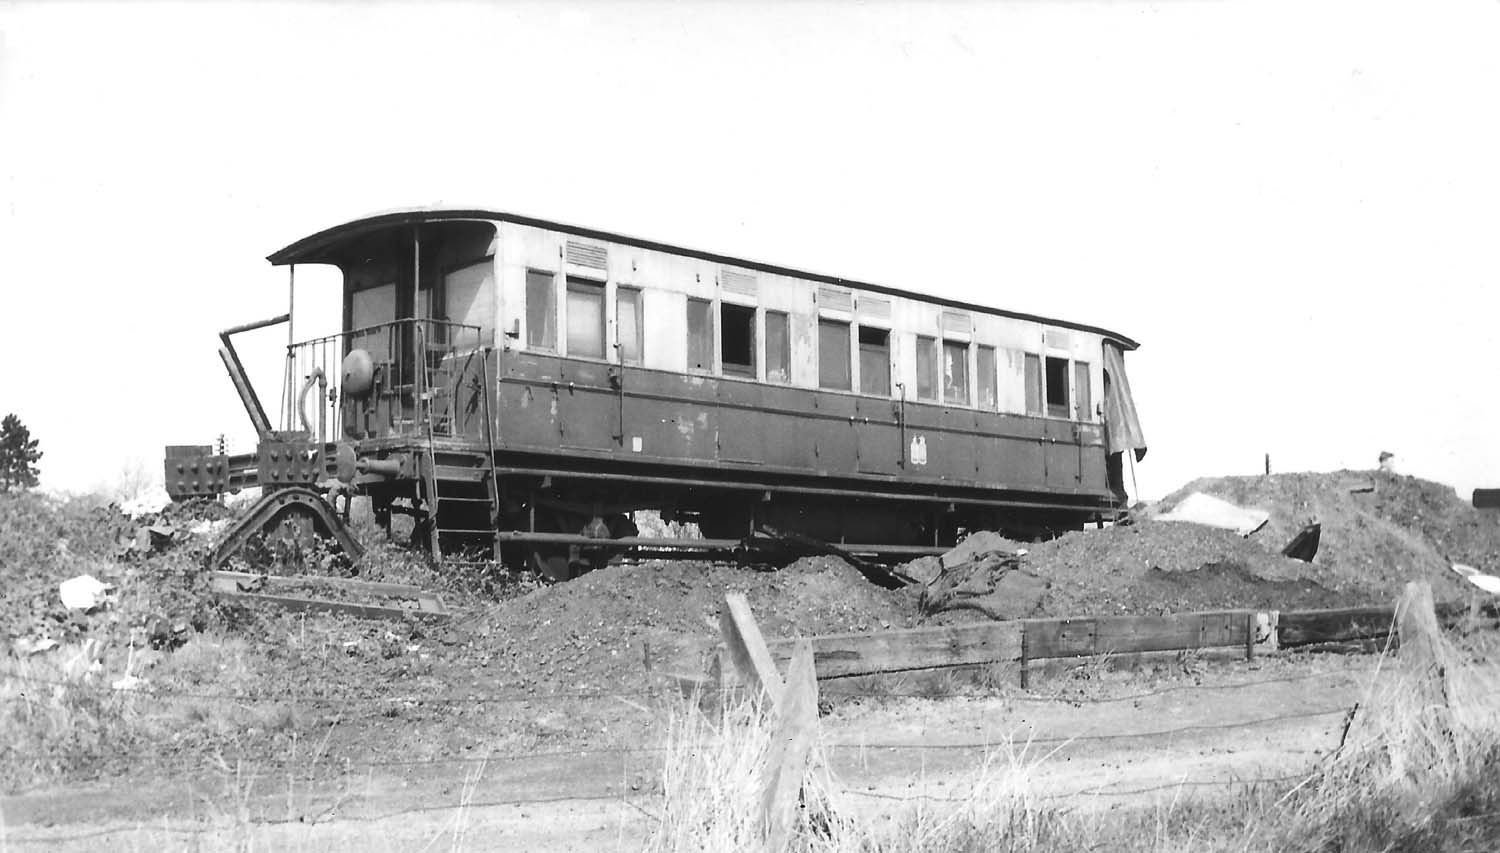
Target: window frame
{"points": [[709, 337], [847, 328], [967, 392], [639, 316], [591, 287], [860, 345], [993, 386], [929, 344], [551, 325], [738, 369], [786, 351]]}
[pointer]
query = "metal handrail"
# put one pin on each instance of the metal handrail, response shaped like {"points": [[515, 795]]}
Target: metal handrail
{"points": [[409, 352]]}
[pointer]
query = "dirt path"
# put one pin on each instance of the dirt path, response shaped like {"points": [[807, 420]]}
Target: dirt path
{"points": [[1124, 740]]}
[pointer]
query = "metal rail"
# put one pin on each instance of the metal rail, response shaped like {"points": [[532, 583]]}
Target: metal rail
{"points": [[698, 544]]}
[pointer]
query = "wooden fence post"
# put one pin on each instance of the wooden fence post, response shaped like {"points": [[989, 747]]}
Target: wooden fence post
{"points": [[746, 648], [790, 749]]}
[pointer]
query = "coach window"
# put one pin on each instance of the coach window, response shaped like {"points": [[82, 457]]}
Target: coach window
{"points": [[628, 323], [1033, 384], [737, 339], [1083, 397], [986, 374], [778, 347], [955, 373], [541, 311], [874, 361], [927, 368], [585, 318], [1057, 387], [833, 355], [700, 338]]}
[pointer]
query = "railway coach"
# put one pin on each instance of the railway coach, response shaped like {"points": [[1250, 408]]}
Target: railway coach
{"points": [[522, 387]]}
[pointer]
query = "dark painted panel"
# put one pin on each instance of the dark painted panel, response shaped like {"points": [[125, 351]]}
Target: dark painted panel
{"points": [[878, 436], [833, 433], [743, 422], [787, 443], [589, 408]]}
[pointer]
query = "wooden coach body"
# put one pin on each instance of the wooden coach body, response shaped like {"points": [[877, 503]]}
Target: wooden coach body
{"points": [[577, 368]]}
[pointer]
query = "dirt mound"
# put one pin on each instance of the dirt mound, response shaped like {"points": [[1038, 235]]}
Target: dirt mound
{"points": [[591, 632], [1379, 530]]}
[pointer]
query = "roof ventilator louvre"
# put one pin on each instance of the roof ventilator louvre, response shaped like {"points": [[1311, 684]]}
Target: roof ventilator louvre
{"points": [[874, 307], [585, 255], [955, 321], [739, 282], [835, 299]]}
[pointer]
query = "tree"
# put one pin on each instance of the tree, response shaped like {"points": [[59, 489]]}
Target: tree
{"points": [[18, 455]]}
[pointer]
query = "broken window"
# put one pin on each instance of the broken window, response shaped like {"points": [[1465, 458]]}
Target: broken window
{"points": [[737, 339], [1057, 387], [1083, 398], [874, 361], [541, 311], [628, 324], [585, 318], [700, 337], [1033, 384], [833, 355], [778, 347], [986, 376], [955, 373], [927, 368]]}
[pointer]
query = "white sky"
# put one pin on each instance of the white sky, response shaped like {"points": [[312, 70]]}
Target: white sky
{"points": [[1293, 206]]}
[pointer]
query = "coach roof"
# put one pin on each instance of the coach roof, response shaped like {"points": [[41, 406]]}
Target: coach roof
{"points": [[319, 248]]}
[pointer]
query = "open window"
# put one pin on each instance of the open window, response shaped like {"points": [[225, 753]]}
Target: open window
{"points": [[628, 324], [985, 373], [833, 355], [927, 368], [778, 347], [1057, 387], [541, 311], [874, 361], [955, 373], [700, 337], [585, 318], [737, 339]]}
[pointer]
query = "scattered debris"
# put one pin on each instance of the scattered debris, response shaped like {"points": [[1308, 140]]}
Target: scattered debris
{"points": [[1304, 546], [1200, 508], [27, 646], [84, 592], [1488, 583]]}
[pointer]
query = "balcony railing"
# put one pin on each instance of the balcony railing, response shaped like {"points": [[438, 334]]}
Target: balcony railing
{"points": [[426, 375]]}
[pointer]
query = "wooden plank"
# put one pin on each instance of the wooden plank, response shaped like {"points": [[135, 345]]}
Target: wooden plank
{"points": [[397, 590], [1304, 627], [229, 585], [1063, 638], [838, 655], [790, 749], [746, 648]]}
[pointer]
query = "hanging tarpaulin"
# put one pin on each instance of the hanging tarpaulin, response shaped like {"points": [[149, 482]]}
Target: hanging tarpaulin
{"points": [[1123, 425]]}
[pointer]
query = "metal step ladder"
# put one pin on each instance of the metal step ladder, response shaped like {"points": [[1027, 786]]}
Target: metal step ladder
{"points": [[462, 488]]}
